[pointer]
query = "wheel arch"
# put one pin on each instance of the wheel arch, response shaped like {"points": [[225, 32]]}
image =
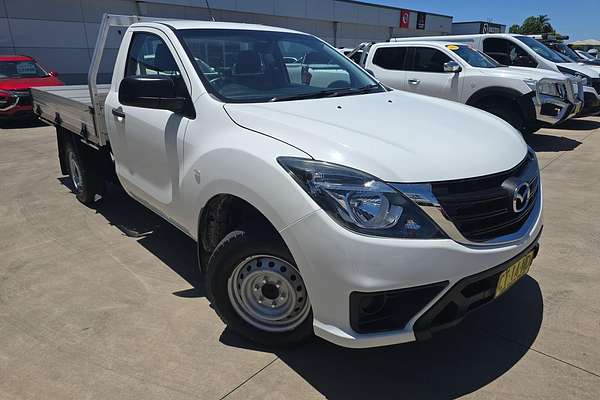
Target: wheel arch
{"points": [[491, 92], [222, 214]]}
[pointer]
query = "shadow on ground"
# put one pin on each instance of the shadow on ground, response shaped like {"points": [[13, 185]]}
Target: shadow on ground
{"points": [[160, 238], [24, 123], [454, 363], [579, 125], [548, 143]]}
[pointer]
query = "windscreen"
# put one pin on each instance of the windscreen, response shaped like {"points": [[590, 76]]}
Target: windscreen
{"points": [[21, 69], [586, 55], [473, 57], [566, 51], [260, 66], [541, 49]]}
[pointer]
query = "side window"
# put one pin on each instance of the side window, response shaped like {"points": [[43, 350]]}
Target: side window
{"points": [[390, 58], [429, 60], [497, 49], [149, 55], [519, 57]]}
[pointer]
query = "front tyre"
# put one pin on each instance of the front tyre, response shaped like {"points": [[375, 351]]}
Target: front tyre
{"points": [[508, 113], [256, 289]]}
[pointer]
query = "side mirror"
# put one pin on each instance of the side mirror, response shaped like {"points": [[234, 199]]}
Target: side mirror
{"points": [[53, 73], [156, 92], [452, 66]]}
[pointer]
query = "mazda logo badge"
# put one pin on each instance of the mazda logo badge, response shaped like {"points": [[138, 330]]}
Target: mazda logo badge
{"points": [[520, 198]]}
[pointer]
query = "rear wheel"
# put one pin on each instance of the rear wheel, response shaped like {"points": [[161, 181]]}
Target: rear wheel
{"points": [[85, 181], [257, 290]]}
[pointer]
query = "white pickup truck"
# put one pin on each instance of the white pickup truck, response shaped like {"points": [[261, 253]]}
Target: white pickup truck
{"points": [[525, 98], [322, 203], [521, 51]]}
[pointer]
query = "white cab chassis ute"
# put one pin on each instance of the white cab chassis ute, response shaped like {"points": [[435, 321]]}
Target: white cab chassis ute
{"points": [[525, 98], [260, 144]]}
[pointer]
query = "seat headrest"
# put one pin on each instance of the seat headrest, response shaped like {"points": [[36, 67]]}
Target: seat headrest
{"points": [[248, 63], [163, 59]]}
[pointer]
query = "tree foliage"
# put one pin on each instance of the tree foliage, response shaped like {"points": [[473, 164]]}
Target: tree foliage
{"points": [[533, 25]]}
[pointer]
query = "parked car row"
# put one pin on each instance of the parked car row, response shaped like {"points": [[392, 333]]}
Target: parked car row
{"points": [[322, 201], [515, 77]]}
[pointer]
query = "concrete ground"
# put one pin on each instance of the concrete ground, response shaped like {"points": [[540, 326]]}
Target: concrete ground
{"points": [[89, 313]]}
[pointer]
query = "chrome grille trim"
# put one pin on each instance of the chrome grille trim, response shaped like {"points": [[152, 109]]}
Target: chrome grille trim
{"points": [[423, 195]]}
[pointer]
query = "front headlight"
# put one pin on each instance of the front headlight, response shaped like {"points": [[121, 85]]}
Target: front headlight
{"points": [[360, 202], [548, 87]]}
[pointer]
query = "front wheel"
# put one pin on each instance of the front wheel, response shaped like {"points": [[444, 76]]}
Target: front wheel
{"points": [[508, 113], [257, 290]]}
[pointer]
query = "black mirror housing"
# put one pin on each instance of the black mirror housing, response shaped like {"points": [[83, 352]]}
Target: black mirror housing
{"points": [[151, 91]]}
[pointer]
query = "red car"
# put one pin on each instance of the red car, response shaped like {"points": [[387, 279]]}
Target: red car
{"points": [[17, 75]]}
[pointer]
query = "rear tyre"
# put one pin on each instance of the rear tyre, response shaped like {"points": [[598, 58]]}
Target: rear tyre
{"points": [[256, 289], [86, 182]]}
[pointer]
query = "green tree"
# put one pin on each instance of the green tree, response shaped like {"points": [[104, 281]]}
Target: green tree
{"points": [[533, 26], [515, 28]]}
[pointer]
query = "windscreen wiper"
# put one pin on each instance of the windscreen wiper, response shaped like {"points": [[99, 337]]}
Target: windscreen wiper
{"points": [[327, 93]]}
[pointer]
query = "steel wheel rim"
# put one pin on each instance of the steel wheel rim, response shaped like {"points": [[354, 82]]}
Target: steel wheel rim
{"points": [[268, 293], [75, 173]]}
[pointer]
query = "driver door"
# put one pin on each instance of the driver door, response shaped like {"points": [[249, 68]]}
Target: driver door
{"points": [[426, 74], [147, 143]]}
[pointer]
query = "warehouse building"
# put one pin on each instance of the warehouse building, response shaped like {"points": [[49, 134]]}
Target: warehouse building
{"points": [[474, 27], [61, 34]]}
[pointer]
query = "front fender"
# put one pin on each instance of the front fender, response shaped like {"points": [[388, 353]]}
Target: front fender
{"points": [[253, 176]]}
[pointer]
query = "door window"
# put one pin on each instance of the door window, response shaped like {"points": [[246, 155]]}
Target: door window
{"points": [[390, 58], [507, 53], [149, 55], [427, 59]]}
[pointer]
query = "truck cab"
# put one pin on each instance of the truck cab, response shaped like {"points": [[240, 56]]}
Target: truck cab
{"points": [[454, 71]]}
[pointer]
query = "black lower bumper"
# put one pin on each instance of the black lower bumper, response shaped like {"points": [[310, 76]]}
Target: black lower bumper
{"points": [[591, 105], [465, 296]]}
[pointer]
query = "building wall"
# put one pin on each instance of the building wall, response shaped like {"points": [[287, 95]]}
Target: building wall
{"points": [[468, 28], [61, 34]]}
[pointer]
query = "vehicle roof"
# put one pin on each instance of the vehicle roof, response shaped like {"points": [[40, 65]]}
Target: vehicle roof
{"points": [[194, 24], [421, 42], [15, 57]]}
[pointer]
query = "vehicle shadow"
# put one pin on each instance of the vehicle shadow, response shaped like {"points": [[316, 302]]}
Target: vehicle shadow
{"points": [[160, 238], [454, 363], [549, 143], [579, 125], [24, 123]]}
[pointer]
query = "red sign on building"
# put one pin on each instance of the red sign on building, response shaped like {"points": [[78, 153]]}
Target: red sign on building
{"points": [[404, 18]]}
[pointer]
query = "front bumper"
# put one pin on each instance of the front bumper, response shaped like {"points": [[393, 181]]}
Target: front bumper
{"points": [[21, 108], [591, 102], [335, 263], [552, 110]]}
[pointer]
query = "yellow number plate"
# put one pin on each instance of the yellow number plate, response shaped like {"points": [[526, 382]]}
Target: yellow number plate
{"points": [[514, 273]]}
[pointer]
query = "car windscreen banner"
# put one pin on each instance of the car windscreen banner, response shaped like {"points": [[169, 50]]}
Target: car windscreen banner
{"points": [[404, 18], [421, 17]]}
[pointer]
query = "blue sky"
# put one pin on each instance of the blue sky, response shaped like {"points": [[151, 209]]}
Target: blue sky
{"points": [[580, 19]]}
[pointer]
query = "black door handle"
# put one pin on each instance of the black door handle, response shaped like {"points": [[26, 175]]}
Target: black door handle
{"points": [[118, 112]]}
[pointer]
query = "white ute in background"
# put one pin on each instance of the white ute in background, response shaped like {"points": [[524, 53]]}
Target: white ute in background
{"points": [[526, 99], [521, 51], [321, 202]]}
